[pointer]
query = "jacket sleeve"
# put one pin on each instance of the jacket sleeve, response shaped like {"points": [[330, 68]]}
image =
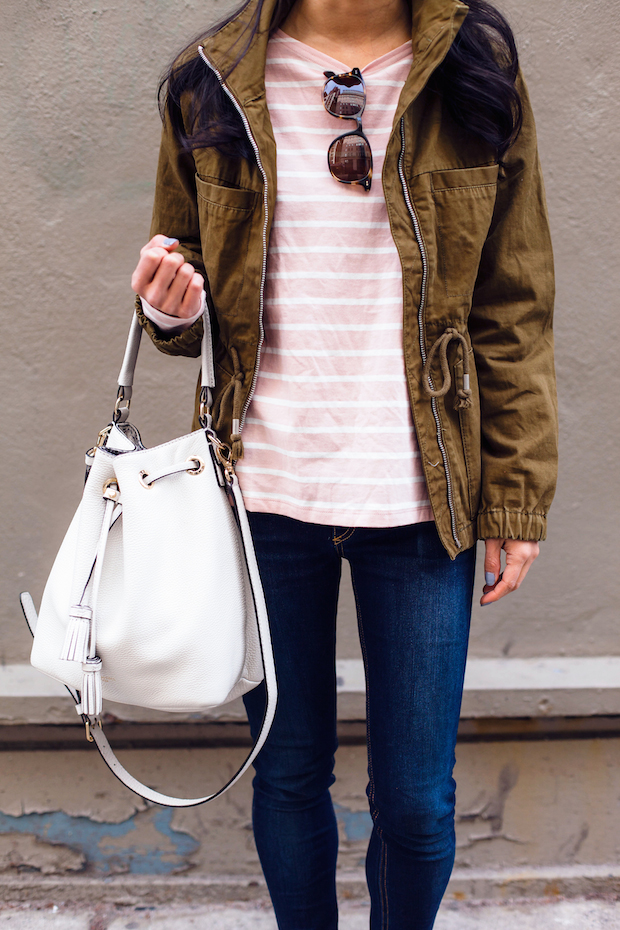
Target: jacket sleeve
{"points": [[175, 214], [511, 332]]}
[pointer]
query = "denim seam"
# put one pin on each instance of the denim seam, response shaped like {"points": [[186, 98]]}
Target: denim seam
{"points": [[383, 884], [348, 533]]}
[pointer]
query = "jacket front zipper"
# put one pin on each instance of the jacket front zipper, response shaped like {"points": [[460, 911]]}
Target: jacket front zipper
{"points": [[421, 307], [253, 143]]}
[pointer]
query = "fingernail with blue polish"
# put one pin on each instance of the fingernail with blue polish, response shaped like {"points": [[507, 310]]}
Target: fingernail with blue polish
{"points": [[169, 241], [489, 579]]}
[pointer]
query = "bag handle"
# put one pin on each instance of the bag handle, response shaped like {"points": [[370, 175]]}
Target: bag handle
{"points": [[128, 367], [264, 635]]}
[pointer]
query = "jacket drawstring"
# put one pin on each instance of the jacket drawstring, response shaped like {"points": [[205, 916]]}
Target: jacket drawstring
{"points": [[463, 395], [234, 387]]}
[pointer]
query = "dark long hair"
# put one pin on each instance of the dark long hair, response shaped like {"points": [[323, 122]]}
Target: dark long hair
{"points": [[476, 80]]}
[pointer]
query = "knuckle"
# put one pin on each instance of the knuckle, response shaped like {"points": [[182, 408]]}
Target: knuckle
{"points": [[153, 256]]}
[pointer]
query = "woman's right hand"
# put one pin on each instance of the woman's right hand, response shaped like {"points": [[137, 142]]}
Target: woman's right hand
{"points": [[166, 281]]}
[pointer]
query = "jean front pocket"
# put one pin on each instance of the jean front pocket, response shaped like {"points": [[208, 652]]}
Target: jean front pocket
{"points": [[464, 200]]}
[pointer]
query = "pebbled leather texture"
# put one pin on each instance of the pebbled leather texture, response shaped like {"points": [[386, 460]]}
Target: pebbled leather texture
{"points": [[255, 591], [176, 620], [166, 574], [266, 652]]}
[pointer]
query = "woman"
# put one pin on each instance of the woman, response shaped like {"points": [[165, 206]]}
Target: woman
{"points": [[384, 367]]}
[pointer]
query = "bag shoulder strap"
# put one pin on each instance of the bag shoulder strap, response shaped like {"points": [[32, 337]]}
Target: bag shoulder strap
{"points": [[106, 751]]}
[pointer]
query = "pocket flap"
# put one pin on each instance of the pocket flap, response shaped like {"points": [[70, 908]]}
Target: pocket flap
{"points": [[483, 176], [232, 198]]}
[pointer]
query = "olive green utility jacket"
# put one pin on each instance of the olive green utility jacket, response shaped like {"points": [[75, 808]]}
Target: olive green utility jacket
{"points": [[474, 244]]}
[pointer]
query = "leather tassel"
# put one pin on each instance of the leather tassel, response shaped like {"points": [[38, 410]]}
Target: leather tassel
{"points": [[92, 700], [75, 646]]}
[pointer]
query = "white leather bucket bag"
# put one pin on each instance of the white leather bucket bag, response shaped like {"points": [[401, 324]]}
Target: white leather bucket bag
{"points": [[154, 598]]}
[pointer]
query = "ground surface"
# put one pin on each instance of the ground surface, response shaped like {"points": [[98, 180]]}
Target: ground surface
{"points": [[555, 915]]}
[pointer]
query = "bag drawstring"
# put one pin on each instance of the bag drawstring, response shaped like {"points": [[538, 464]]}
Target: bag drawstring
{"points": [[80, 643], [234, 387], [463, 394]]}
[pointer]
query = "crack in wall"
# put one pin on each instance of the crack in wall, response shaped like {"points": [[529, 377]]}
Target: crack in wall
{"points": [[491, 811]]}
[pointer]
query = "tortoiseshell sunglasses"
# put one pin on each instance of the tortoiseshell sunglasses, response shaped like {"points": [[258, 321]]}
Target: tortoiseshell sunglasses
{"points": [[349, 157]]}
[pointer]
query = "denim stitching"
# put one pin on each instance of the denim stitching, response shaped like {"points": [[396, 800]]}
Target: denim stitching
{"points": [[348, 533], [383, 882], [387, 902]]}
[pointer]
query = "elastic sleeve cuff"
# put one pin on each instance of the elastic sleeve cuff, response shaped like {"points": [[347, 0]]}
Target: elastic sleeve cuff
{"points": [[185, 343], [171, 325], [512, 524]]}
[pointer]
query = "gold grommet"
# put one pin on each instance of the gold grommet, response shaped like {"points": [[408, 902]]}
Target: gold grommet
{"points": [[145, 484], [200, 465], [111, 489]]}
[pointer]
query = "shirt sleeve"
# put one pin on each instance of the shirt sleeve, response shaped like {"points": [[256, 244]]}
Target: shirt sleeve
{"points": [[171, 325]]}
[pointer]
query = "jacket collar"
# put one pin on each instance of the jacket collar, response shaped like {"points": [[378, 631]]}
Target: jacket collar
{"points": [[247, 80], [435, 24]]}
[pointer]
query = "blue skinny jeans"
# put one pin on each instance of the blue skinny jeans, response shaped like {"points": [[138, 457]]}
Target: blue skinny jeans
{"points": [[413, 607]]}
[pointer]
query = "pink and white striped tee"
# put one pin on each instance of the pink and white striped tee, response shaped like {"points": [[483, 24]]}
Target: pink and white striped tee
{"points": [[331, 387]]}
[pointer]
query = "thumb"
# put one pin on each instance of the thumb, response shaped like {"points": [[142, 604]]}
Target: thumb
{"points": [[162, 242], [492, 561]]}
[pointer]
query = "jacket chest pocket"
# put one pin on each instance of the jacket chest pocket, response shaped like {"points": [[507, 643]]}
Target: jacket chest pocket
{"points": [[225, 215], [464, 201]]}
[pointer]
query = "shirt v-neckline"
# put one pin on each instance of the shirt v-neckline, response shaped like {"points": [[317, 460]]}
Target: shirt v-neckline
{"points": [[327, 63]]}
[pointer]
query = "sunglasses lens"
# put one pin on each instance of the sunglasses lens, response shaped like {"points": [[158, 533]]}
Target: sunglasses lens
{"points": [[344, 95], [350, 158]]}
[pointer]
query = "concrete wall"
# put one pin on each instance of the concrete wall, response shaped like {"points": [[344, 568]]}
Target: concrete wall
{"points": [[78, 150], [520, 824]]}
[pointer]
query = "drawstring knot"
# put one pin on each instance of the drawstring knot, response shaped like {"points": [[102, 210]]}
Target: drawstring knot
{"points": [[234, 387], [463, 395]]}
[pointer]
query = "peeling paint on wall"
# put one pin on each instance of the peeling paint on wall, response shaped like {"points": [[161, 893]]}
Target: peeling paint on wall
{"points": [[144, 844], [357, 825], [491, 810]]}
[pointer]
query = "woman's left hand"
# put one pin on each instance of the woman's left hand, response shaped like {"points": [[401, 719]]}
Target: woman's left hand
{"points": [[520, 553]]}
